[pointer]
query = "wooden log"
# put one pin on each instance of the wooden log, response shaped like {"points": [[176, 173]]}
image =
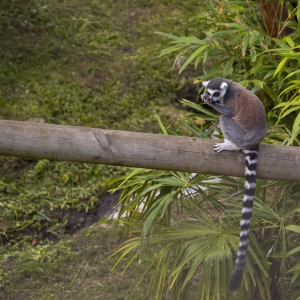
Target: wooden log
{"points": [[143, 150]]}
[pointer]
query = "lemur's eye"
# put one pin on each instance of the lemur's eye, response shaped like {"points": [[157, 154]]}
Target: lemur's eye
{"points": [[216, 94]]}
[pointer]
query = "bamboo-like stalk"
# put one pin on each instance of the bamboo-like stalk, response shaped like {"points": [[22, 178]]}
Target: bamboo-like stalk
{"points": [[275, 15]]}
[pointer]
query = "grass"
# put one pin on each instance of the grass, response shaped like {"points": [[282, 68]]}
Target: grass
{"points": [[90, 64], [81, 63], [77, 269], [85, 63]]}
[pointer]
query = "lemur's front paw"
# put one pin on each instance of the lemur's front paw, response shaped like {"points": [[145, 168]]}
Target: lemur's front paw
{"points": [[218, 147]]}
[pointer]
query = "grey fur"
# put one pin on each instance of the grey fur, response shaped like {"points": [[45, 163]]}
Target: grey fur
{"points": [[243, 123], [243, 119]]}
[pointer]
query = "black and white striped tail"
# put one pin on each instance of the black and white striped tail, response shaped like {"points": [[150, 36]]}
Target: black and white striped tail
{"points": [[250, 182]]}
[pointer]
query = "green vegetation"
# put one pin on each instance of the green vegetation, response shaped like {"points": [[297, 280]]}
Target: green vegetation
{"points": [[195, 253], [80, 63], [91, 63], [243, 51], [86, 63], [76, 268], [83, 63]]}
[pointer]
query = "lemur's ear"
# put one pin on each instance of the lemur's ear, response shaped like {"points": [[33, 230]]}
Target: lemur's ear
{"points": [[205, 83], [224, 86]]}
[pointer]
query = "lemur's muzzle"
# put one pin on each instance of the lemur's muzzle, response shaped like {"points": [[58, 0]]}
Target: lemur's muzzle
{"points": [[205, 96]]}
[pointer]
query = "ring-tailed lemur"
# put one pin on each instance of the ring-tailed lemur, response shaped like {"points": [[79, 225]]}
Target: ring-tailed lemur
{"points": [[243, 123]]}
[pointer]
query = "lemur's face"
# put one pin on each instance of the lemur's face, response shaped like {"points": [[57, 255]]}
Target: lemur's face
{"points": [[216, 90]]}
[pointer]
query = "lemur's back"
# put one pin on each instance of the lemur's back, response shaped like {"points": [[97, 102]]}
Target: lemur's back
{"points": [[247, 125]]}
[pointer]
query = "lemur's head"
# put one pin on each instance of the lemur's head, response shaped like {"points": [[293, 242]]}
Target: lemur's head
{"points": [[215, 90]]}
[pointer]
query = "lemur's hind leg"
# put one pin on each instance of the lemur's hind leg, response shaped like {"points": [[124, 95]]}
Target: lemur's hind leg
{"points": [[227, 145]]}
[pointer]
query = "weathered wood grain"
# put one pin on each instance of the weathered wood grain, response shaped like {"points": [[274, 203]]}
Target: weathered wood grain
{"points": [[144, 150]]}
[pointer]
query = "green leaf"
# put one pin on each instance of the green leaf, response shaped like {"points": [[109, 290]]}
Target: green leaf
{"points": [[297, 107], [235, 25], [236, 38], [213, 70], [162, 127], [289, 41], [238, 7], [253, 54], [296, 128], [280, 66], [295, 276], [192, 130], [291, 252], [294, 228], [269, 74], [171, 49], [298, 17], [223, 33], [158, 209], [281, 44], [192, 56], [200, 108], [169, 36], [45, 217], [228, 65], [245, 44], [294, 268], [292, 74], [202, 15]]}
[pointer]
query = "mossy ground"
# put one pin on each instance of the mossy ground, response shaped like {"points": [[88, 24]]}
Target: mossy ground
{"points": [[86, 63]]}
